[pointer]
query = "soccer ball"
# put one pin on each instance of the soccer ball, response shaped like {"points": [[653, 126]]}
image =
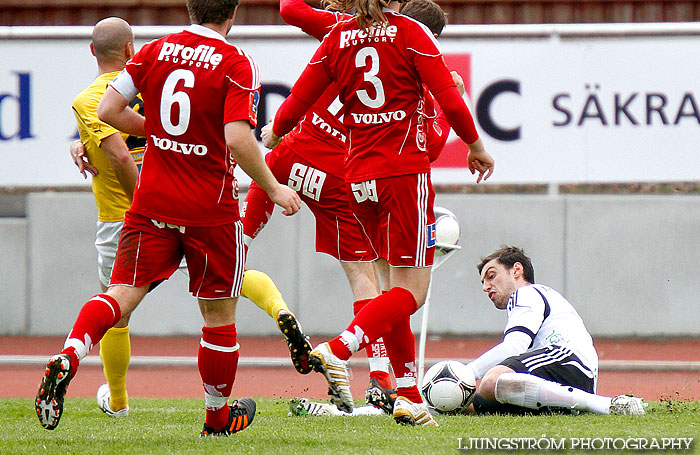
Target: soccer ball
{"points": [[446, 231], [448, 386]]}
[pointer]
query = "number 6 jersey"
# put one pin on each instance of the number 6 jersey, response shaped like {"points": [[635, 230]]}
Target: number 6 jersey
{"points": [[192, 83]]}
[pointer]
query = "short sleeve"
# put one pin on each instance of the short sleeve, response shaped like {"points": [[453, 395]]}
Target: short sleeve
{"points": [[85, 110], [242, 91], [526, 311]]}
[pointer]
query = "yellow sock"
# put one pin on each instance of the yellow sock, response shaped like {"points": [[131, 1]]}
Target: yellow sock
{"points": [[115, 352], [261, 290]]}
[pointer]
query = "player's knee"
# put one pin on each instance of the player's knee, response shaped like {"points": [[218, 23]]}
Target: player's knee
{"points": [[487, 387]]}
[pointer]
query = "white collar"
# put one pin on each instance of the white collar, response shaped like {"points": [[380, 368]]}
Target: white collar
{"points": [[205, 31]]}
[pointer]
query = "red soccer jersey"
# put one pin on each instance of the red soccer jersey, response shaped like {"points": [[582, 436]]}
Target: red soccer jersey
{"points": [[320, 136], [192, 83], [380, 73]]}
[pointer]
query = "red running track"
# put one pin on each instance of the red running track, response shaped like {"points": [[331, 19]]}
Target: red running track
{"points": [[284, 383]]}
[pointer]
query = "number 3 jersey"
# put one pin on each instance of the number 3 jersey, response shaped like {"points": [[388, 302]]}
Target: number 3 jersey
{"points": [[379, 73], [192, 84]]}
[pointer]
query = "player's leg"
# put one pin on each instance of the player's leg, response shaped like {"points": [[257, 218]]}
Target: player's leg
{"points": [[256, 211], [215, 258], [257, 207], [410, 255], [363, 282], [97, 315], [551, 377], [153, 257], [115, 346], [261, 290]]}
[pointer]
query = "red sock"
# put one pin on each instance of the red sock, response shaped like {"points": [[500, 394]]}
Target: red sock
{"points": [[401, 346], [376, 354], [376, 318], [218, 361], [256, 210], [96, 317]]}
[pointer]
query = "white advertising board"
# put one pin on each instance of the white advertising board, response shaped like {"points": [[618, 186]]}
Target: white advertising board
{"points": [[597, 105]]}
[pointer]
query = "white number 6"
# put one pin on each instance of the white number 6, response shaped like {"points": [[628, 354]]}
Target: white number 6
{"points": [[169, 97]]}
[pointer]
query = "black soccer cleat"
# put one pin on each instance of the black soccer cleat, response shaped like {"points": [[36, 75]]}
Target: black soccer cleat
{"points": [[53, 387], [378, 396], [298, 344], [241, 415]]}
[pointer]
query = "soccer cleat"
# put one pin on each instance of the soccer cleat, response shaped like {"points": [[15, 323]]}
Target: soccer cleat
{"points": [[49, 398], [299, 347], [241, 414], [378, 396], [627, 405], [336, 373], [103, 396], [302, 407], [408, 413]]}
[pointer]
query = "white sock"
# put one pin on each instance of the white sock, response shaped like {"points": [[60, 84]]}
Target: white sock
{"points": [[531, 392], [379, 364], [350, 340]]}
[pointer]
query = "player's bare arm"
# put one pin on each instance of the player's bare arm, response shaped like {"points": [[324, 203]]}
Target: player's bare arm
{"points": [[77, 153], [123, 164], [480, 160], [242, 144], [114, 109]]}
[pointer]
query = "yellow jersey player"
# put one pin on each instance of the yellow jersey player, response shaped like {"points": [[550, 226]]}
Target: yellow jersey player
{"points": [[113, 158]]}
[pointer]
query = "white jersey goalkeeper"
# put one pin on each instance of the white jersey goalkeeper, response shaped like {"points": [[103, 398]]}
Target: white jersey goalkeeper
{"points": [[546, 360]]}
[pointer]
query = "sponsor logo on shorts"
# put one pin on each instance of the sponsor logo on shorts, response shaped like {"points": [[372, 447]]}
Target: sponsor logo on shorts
{"points": [[431, 235], [373, 34], [200, 56]]}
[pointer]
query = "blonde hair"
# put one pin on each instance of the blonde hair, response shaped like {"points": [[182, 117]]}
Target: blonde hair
{"points": [[367, 12]]}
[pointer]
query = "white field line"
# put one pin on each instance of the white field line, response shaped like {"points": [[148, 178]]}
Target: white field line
{"points": [[283, 362]]}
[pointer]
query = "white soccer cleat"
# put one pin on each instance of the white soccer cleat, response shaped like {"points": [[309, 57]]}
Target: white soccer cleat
{"points": [[336, 373], [407, 412], [303, 407], [627, 405], [103, 396]]}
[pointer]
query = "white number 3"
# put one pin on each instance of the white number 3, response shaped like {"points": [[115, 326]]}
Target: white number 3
{"points": [[371, 77]]}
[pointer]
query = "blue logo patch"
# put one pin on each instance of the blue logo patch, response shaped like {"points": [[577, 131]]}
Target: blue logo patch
{"points": [[431, 235]]}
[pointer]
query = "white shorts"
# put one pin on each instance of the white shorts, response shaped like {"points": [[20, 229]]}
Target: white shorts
{"points": [[106, 241]]}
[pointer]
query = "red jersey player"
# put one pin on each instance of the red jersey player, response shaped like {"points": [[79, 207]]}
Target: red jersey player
{"points": [[310, 159], [201, 97], [379, 61]]}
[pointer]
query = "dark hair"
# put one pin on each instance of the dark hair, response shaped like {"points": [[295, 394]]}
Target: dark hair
{"points": [[509, 255], [211, 11], [427, 12]]}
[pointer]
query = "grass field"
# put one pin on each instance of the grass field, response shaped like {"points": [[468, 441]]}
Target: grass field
{"points": [[162, 426]]}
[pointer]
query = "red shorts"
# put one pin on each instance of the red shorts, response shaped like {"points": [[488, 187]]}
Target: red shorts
{"points": [[337, 231], [150, 251], [397, 215]]}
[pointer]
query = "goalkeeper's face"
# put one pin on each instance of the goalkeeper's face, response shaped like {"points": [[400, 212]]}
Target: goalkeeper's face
{"points": [[499, 282]]}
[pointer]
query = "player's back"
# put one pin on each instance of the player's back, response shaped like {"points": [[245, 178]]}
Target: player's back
{"points": [[375, 71], [192, 82]]}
